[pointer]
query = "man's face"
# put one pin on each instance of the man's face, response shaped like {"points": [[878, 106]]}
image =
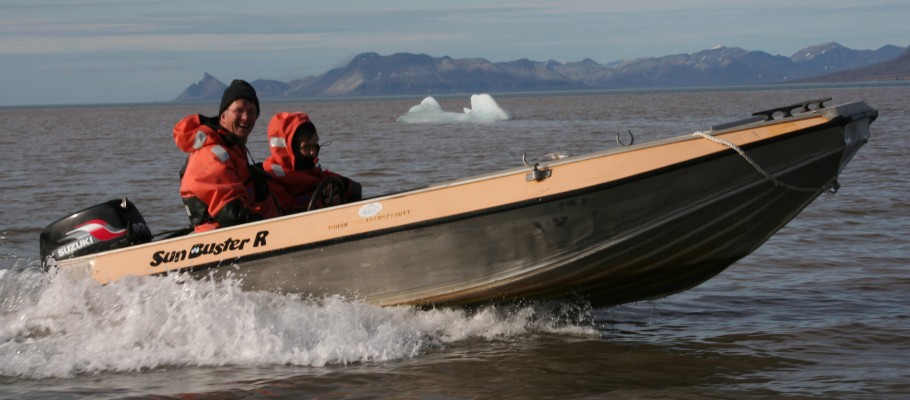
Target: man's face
{"points": [[240, 118]]}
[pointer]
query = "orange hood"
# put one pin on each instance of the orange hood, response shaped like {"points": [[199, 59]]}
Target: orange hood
{"points": [[195, 131], [281, 136]]}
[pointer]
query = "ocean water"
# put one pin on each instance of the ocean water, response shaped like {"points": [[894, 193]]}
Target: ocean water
{"points": [[822, 310]]}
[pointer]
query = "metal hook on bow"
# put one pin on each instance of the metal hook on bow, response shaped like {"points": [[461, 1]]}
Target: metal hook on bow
{"points": [[535, 174], [524, 160], [631, 139]]}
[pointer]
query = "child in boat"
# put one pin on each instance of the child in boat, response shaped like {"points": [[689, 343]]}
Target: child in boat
{"points": [[293, 165]]}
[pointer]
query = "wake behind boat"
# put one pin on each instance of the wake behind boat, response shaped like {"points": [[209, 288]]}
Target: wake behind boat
{"points": [[621, 225]]}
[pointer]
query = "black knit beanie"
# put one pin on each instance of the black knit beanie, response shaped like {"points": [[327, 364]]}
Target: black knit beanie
{"points": [[239, 89]]}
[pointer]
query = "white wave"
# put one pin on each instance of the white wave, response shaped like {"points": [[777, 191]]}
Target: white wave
{"points": [[483, 109], [61, 327]]}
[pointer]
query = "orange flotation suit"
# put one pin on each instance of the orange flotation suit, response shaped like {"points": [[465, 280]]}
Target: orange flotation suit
{"points": [[294, 186], [218, 185]]}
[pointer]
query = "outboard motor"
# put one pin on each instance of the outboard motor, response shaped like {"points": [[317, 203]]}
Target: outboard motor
{"points": [[106, 226]]}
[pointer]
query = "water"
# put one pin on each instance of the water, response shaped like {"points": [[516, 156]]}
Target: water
{"points": [[822, 310]]}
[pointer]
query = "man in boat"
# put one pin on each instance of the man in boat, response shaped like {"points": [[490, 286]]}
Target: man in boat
{"points": [[219, 186], [293, 164]]}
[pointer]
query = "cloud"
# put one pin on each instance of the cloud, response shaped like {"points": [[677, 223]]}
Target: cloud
{"points": [[284, 39], [229, 42]]}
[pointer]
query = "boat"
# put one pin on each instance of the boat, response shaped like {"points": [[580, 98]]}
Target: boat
{"points": [[625, 224]]}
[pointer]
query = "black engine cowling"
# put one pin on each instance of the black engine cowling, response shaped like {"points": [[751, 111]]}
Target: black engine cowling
{"points": [[106, 226]]}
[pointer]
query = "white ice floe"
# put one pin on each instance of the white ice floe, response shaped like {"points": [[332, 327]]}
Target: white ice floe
{"points": [[483, 109]]}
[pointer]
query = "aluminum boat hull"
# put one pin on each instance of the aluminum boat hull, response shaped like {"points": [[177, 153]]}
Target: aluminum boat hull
{"points": [[622, 225]]}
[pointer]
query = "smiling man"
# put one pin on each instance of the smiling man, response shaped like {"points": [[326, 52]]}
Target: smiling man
{"points": [[219, 185]]}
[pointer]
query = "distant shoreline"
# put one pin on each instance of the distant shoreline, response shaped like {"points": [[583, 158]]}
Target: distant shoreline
{"points": [[761, 87]]}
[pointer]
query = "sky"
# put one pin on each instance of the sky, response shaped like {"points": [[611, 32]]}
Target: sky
{"points": [[136, 51]]}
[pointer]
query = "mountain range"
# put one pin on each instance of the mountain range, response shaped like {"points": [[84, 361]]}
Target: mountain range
{"points": [[371, 74]]}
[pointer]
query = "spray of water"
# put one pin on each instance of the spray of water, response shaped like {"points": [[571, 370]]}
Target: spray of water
{"points": [[52, 325]]}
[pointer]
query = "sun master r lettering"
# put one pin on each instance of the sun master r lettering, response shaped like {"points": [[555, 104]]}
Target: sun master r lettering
{"points": [[199, 249]]}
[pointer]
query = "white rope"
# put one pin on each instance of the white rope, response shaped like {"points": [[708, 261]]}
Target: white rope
{"points": [[755, 165]]}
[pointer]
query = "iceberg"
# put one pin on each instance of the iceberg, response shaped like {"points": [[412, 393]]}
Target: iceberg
{"points": [[483, 109]]}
